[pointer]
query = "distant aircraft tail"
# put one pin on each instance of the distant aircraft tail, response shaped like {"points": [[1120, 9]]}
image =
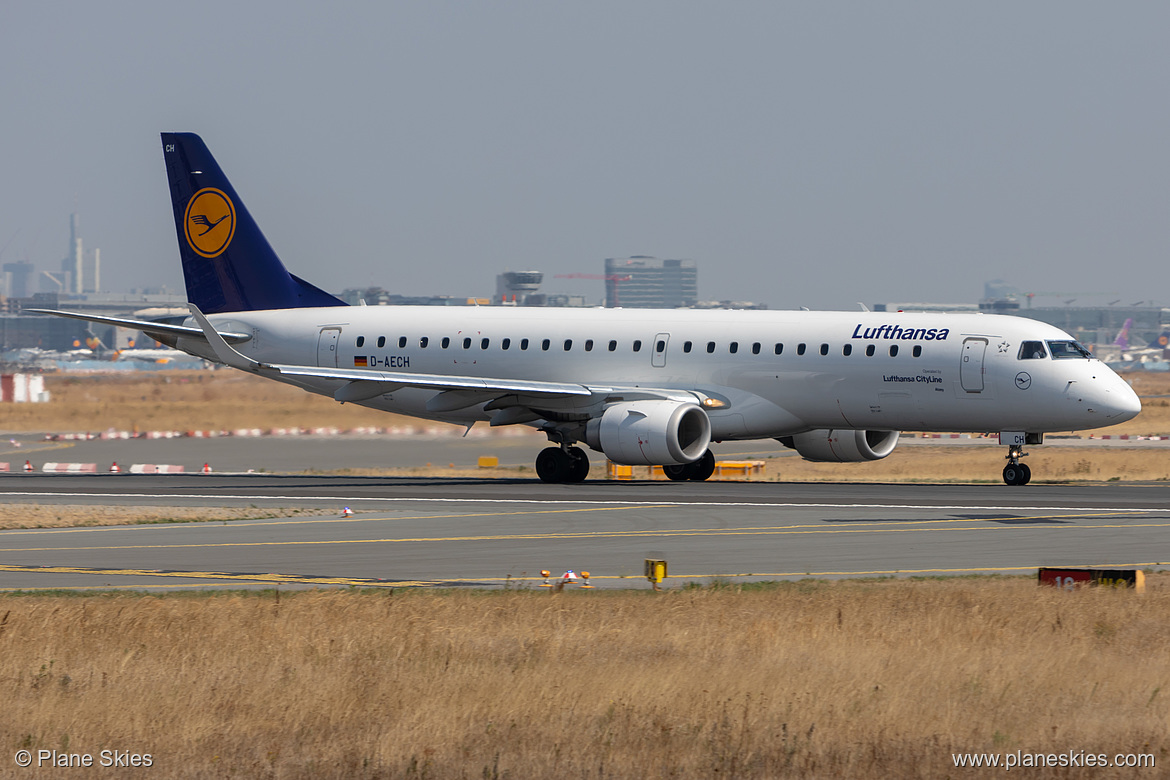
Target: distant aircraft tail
{"points": [[228, 265], [1122, 339], [1162, 342]]}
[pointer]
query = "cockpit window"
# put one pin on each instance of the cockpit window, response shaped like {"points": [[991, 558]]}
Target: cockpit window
{"points": [[1068, 349], [1032, 350]]}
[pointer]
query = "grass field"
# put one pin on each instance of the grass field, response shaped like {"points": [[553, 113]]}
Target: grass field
{"points": [[846, 679]]}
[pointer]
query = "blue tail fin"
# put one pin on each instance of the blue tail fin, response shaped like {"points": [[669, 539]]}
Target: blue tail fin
{"points": [[228, 265]]}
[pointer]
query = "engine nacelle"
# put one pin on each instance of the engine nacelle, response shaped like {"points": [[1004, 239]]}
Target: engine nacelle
{"points": [[645, 433], [846, 446]]}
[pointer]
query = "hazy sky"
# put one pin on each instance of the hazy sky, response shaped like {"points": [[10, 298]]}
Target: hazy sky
{"points": [[804, 154]]}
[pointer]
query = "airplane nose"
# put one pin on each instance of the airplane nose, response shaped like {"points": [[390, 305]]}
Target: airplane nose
{"points": [[1121, 402]]}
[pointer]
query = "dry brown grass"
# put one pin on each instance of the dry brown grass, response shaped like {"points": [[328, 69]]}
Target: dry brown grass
{"points": [[182, 401], [827, 679], [68, 515], [225, 400]]}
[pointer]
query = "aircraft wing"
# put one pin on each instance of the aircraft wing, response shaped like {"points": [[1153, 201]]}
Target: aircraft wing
{"points": [[150, 328]]}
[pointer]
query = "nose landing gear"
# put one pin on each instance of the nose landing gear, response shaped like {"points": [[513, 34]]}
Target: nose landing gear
{"points": [[1016, 473]]}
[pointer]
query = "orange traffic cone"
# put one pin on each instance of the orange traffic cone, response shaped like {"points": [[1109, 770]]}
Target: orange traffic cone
{"points": [[27, 466], [347, 512], [206, 468], [115, 468]]}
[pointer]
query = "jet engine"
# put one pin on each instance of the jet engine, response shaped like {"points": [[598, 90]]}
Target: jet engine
{"points": [[643, 433], [845, 446]]}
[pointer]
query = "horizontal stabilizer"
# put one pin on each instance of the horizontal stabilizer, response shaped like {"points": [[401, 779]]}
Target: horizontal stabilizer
{"points": [[147, 327]]}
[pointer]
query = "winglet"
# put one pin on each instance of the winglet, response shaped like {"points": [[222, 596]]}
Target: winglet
{"points": [[221, 348]]}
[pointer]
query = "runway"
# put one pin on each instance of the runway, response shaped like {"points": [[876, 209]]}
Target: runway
{"points": [[428, 532]]}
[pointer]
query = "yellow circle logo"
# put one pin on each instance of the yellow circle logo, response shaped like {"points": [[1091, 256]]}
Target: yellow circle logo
{"points": [[210, 222]]}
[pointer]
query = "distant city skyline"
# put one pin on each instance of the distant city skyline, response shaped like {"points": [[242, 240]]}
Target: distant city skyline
{"points": [[801, 154]]}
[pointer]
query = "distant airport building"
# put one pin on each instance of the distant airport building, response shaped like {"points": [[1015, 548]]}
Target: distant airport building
{"points": [[641, 282], [16, 276], [515, 287]]}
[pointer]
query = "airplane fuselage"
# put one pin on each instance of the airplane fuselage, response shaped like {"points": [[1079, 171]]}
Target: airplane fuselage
{"points": [[775, 373]]}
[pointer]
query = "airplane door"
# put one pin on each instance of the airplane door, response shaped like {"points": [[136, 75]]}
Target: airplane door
{"points": [[327, 347], [658, 358], [971, 369]]}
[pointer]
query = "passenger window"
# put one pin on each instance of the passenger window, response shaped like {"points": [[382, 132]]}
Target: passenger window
{"points": [[869, 350], [756, 348], [505, 344], [612, 346], [446, 342], [1032, 350], [423, 342], [467, 342], [779, 348], [687, 347], [588, 345], [361, 341], [893, 350], [824, 349], [637, 345], [544, 345], [401, 342], [568, 344], [917, 350], [381, 341], [484, 343], [733, 347], [847, 350], [523, 344], [710, 347], [660, 346], [800, 349]]}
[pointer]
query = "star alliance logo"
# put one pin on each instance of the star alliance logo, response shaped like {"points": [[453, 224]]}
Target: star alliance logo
{"points": [[210, 222]]}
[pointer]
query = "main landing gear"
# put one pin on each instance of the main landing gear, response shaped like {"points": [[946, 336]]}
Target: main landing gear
{"points": [[571, 464], [698, 470], [562, 464], [1016, 473]]}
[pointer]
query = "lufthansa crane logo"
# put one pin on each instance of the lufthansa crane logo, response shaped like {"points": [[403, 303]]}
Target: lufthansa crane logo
{"points": [[210, 222]]}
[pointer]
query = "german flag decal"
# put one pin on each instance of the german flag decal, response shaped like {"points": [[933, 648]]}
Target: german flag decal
{"points": [[361, 362]]}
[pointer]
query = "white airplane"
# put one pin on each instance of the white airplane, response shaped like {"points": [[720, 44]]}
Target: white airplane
{"points": [[641, 386], [146, 355]]}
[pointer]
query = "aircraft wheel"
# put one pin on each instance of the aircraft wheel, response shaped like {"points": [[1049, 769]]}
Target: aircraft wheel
{"points": [[1027, 473], [553, 465], [703, 468], [677, 473], [578, 465], [1014, 474]]}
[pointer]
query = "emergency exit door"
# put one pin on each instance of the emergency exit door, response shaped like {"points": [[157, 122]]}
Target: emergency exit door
{"points": [[658, 357]]}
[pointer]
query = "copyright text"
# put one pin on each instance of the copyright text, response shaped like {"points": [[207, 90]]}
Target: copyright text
{"points": [[58, 759]]}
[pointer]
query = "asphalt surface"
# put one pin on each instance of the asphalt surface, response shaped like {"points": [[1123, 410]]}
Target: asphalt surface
{"points": [[459, 532]]}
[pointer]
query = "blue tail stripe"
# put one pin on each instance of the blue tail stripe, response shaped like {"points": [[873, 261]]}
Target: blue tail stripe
{"points": [[228, 265]]}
